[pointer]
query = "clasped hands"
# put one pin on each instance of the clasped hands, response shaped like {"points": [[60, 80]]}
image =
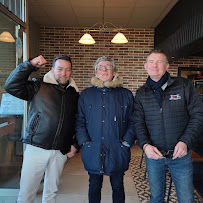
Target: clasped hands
{"points": [[152, 152]]}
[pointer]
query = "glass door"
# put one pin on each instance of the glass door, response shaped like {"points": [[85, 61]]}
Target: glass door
{"points": [[12, 113]]}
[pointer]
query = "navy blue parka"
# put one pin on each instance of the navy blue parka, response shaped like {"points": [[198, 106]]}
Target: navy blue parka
{"points": [[105, 118]]}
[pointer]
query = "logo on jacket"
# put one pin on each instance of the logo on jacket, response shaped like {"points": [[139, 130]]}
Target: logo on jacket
{"points": [[175, 97]]}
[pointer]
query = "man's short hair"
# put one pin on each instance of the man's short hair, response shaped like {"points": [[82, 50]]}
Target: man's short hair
{"points": [[63, 57], [158, 51], [104, 58]]}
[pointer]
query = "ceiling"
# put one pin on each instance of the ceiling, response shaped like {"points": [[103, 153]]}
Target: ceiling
{"points": [[85, 13]]}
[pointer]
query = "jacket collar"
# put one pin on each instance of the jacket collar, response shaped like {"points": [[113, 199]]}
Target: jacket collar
{"points": [[49, 78], [168, 83], [116, 82]]}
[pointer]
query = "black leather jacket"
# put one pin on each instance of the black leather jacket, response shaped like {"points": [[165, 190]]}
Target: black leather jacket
{"points": [[52, 109]]}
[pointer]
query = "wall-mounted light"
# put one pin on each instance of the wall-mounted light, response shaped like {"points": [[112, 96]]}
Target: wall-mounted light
{"points": [[6, 37]]}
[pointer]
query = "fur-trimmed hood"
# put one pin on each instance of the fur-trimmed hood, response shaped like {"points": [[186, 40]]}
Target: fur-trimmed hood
{"points": [[116, 82], [49, 78]]}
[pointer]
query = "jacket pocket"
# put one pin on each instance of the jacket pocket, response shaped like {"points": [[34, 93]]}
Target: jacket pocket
{"points": [[90, 154], [122, 121], [119, 157], [125, 108], [88, 114], [35, 123]]}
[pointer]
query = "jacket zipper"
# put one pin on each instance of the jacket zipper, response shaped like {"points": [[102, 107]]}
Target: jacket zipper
{"points": [[162, 122], [102, 154], [58, 131]]}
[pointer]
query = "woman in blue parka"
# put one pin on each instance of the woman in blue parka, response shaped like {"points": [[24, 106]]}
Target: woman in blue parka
{"points": [[105, 129]]}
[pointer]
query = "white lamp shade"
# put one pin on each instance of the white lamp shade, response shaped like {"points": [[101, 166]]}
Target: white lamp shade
{"points": [[119, 38], [6, 37], [86, 39]]}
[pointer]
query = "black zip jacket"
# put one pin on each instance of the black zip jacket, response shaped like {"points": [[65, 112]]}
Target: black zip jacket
{"points": [[179, 119], [52, 109]]}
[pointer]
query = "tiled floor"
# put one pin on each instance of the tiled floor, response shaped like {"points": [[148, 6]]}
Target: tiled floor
{"points": [[74, 183], [73, 187]]}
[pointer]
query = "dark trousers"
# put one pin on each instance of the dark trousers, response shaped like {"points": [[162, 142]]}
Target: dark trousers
{"points": [[95, 185]]}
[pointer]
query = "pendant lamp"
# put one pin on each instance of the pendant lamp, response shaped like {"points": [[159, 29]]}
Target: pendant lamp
{"points": [[119, 38]]}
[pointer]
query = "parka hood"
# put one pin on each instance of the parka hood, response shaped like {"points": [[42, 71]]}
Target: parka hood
{"points": [[116, 82]]}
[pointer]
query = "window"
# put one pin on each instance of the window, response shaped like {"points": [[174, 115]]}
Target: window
{"points": [[15, 6], [11, 108]]}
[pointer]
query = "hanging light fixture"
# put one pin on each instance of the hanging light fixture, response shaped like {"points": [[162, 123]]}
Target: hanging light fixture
{"points": [[6, 37], [119, 38], [87, 39]]}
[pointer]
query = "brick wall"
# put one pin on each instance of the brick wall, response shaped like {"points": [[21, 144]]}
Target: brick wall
{"points": [[129, 57]]}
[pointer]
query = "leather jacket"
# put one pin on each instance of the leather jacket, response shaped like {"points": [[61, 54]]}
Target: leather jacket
{"points": [[52, 109]]}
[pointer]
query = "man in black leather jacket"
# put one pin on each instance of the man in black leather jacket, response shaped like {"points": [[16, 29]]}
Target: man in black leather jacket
{"points": [[168, 121], [51, 124]]}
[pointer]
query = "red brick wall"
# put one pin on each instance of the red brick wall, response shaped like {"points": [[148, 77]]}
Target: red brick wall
{"points": [[188, 62], [129, 57]]}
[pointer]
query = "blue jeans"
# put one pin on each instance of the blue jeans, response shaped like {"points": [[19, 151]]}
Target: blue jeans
{"points": [[95, 185], [181, 170]]}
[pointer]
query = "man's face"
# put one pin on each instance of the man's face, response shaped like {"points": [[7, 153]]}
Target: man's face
{"points": [[105, 71], [156, 66], [62, 71]]}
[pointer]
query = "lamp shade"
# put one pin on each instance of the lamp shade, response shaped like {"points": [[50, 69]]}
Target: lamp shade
{"points": [[6, 37], [119, 38], [87, 39]]}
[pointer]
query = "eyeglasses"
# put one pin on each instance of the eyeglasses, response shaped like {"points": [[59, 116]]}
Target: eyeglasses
{"points": [[107, 67]]}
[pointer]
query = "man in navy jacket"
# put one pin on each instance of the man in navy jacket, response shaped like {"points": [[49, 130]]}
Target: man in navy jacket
{"points": [[105, 129]]}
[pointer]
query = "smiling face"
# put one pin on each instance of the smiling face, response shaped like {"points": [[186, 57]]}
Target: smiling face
{"points": [[62, 72], [156, 66], [105, 71]]}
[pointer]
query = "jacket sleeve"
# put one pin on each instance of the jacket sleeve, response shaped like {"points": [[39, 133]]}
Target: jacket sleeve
{"points": [[17, 83], [75, 143], [141, 130], [194, 130], [81, 129], [130, 133]]}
